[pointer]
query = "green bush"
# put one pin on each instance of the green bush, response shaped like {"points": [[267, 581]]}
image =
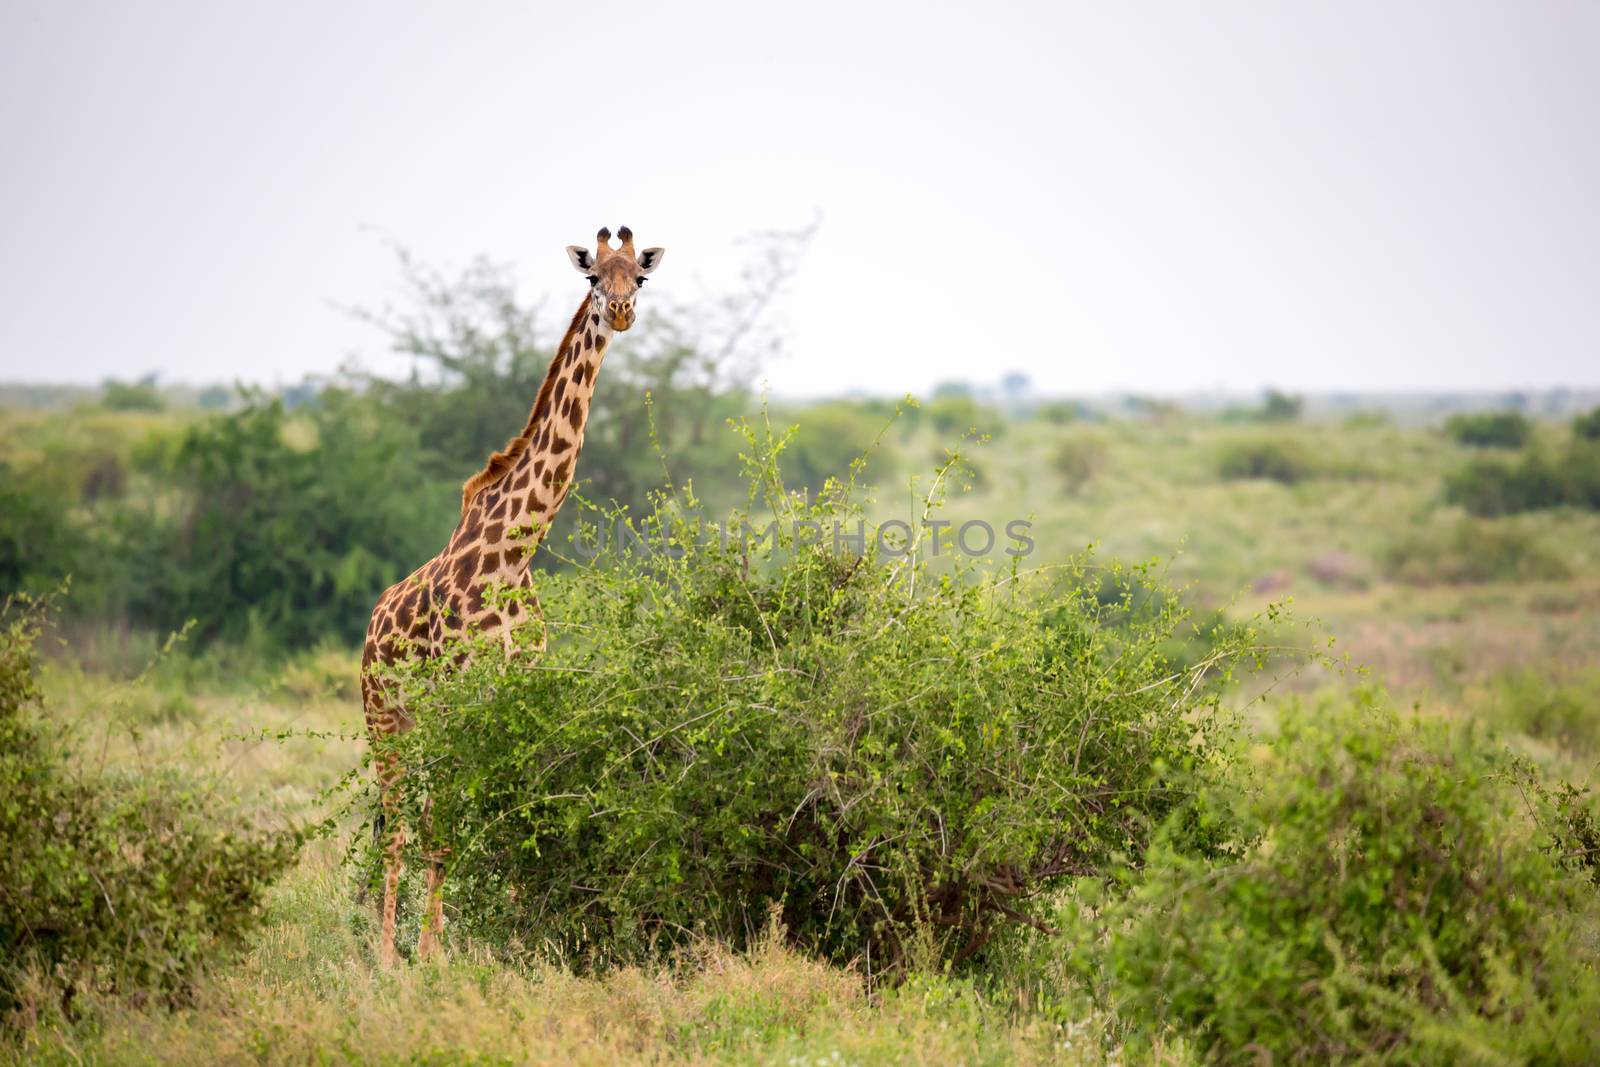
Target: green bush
{"points": [[1275, 459], [887, 757], [36, 537], [1387, 898], [1534, 482], [141, 395], [1472, 551], [953, 414], [118, 882], [1564, 712], [1490, 429], [1587, 425], [1078, 460], [289, 529], [1276, 406], [1498, 487], [827, 440]]}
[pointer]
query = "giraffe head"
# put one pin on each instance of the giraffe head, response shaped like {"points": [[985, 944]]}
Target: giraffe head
{"points": [[614, 274]]}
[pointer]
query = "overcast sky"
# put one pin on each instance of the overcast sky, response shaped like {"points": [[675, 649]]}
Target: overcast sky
{"points": [[1104, 196]]}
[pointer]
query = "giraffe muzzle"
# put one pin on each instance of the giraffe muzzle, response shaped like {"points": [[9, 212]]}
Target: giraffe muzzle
{"points": [[621, 312]]}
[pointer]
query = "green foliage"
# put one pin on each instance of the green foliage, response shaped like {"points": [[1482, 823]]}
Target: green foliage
{"points": [[1470, 551], [36, 543], [1587, 425], [952, 414], [141, 395], [1533, 482], [1275, 406], [1062, 412], [118, 882], [889, 758], [828, 439], [1563, 712], [290, 527], [1490, 429], [1385, 897], [1078, 459], [1273, 458]]}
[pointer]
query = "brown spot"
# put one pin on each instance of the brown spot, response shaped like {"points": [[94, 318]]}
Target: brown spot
{"points": [[564, 471], [578, 373], [490, 621], [561, 391], [514, 553], [560, 445], [491, 562], [491, 535], [575, 417], [538, 466], [595, 319], [588, 341], [499, 511], [512, 609], [466, 566], [521, 483], [475, 599], [600, 342]]}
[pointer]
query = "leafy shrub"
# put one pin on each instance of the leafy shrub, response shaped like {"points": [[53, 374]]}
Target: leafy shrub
{"points": [[1062, 412], [1276, 406], [1471, 551], [1276, 459], [1534, 482], [1385, 899], [1497, 487], [1587, 425], [1078, 459], [827, 440], [1490, 429], [880, 754], [125, 883], [141, 395], [953, 414], [289, 530], [36, 542], [1564, 712]]}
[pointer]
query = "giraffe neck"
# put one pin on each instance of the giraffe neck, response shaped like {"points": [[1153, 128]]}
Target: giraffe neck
{"points": [[532, 491]]}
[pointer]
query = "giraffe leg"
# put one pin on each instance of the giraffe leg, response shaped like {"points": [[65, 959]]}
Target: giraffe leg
{"points": [[433, 921], [393, 859]]}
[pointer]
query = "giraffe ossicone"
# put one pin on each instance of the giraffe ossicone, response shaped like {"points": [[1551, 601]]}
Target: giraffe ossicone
{"points": [[506, 510]]}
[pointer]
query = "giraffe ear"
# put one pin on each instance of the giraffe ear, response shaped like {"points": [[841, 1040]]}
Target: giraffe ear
{"points": [[650, 259], [581, 257]]}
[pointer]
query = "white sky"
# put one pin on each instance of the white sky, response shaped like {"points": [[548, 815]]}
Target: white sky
{"points": [[1160, 198]]}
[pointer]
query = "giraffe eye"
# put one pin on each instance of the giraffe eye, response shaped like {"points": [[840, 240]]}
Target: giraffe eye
{"points": [[594, 279], [640, 280]]}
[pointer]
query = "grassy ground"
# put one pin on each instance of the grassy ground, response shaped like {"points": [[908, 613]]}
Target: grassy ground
{"points": [[1496, 621]]}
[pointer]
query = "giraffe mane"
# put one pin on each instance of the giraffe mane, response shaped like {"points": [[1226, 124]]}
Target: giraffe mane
{"points": [[502, 461]]}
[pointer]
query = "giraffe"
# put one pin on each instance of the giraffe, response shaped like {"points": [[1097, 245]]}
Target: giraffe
{"points": [[506, 508]]}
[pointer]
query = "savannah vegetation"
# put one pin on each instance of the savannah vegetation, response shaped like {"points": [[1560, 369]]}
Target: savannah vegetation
{"points": [[1278, 744]]}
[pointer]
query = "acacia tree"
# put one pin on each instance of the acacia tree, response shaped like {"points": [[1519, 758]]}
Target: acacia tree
{"points": [[479, 352]]}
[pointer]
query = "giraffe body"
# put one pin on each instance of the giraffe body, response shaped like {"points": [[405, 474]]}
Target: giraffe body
{"points": [[506, 509]]}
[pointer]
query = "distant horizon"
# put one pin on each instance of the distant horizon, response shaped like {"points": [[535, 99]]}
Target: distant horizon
{"points": [[976, 386]]}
